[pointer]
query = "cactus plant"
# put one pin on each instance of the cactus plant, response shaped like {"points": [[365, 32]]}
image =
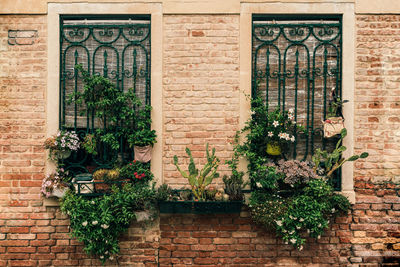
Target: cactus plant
{"points": [[199, 180], [334, 160]]}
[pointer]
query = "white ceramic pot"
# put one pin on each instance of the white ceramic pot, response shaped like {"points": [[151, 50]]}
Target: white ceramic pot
{"points": [[59, 192]]}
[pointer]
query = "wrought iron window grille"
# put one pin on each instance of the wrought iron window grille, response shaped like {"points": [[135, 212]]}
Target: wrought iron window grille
{"points": [[116, 47], [297, 64]]}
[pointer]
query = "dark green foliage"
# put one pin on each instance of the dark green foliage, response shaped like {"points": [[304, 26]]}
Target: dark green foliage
{"points": [[98, 222], [308, 210], [122, 114], [234, 184], [137, 172]]}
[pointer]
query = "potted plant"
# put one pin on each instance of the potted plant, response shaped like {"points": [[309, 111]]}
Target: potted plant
{"points": [[136, 172], [296, 198], [55, 184], [201, 198], [62, 144], [143, 138], [271, 130], [122, 117], [334, 122]]}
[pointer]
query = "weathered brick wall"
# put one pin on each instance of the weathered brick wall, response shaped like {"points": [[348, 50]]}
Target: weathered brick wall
{"points": [[30, 233], [201, 88], [232, 240], [375, 234], [201, 104]]}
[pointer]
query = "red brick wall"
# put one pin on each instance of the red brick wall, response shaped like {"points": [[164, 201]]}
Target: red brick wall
{"points": [[232, 240], [201, 104], [375, 228], [201, 88]]}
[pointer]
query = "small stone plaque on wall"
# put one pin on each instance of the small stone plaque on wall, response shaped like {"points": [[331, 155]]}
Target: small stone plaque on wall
{"points": [[22, 37]]}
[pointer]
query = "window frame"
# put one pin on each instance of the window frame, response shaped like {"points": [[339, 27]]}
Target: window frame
{"points": [[346, 10], [55, 11]]}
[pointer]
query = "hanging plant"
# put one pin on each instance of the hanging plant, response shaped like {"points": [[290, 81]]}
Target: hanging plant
{"points": [[294, 198], [99, 222]]}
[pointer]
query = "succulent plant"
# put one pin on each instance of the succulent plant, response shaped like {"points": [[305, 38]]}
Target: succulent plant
{"points": [[199, 180], [185, 195]]}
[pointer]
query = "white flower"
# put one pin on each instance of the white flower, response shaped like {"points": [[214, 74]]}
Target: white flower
{"points": [[291, 110], [101, 257], [291, 117], [319, 237], [333, 210], [106, 252], [298, 227], [300, 248], [292, 138], [84, 223], [308, 231], [275, 124], [92, 202], [270, 134], [258, 184], [279, 223], [95, 222], [111, 258], [104, 226], [301, 220], [293, 241]]}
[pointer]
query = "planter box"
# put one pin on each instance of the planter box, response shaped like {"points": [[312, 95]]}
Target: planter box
{"points": [[201, 207]]}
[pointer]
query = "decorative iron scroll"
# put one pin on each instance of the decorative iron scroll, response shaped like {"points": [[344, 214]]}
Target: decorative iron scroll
{"points": [[118, 49], [297, 65]]}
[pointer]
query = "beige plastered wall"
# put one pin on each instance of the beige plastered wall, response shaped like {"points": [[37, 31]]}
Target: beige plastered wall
{"points": [[53, 89], [199, 6]]}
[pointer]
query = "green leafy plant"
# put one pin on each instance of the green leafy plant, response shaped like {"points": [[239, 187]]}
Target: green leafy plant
{"points": [[143, 135], [307, 211], [122, 115], [98, 222], [234, 183], [90, 144], [199, 180], [271, 126], [164, 193], [137, 172], [335, 106], [293, 198], [331, 161]]}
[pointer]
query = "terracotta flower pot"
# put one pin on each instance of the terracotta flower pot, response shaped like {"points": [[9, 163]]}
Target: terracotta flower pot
{"points": [[333, 126], [143, 153]]}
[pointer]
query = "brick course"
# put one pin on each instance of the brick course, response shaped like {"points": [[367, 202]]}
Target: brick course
{"points": [[201, 88]]}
